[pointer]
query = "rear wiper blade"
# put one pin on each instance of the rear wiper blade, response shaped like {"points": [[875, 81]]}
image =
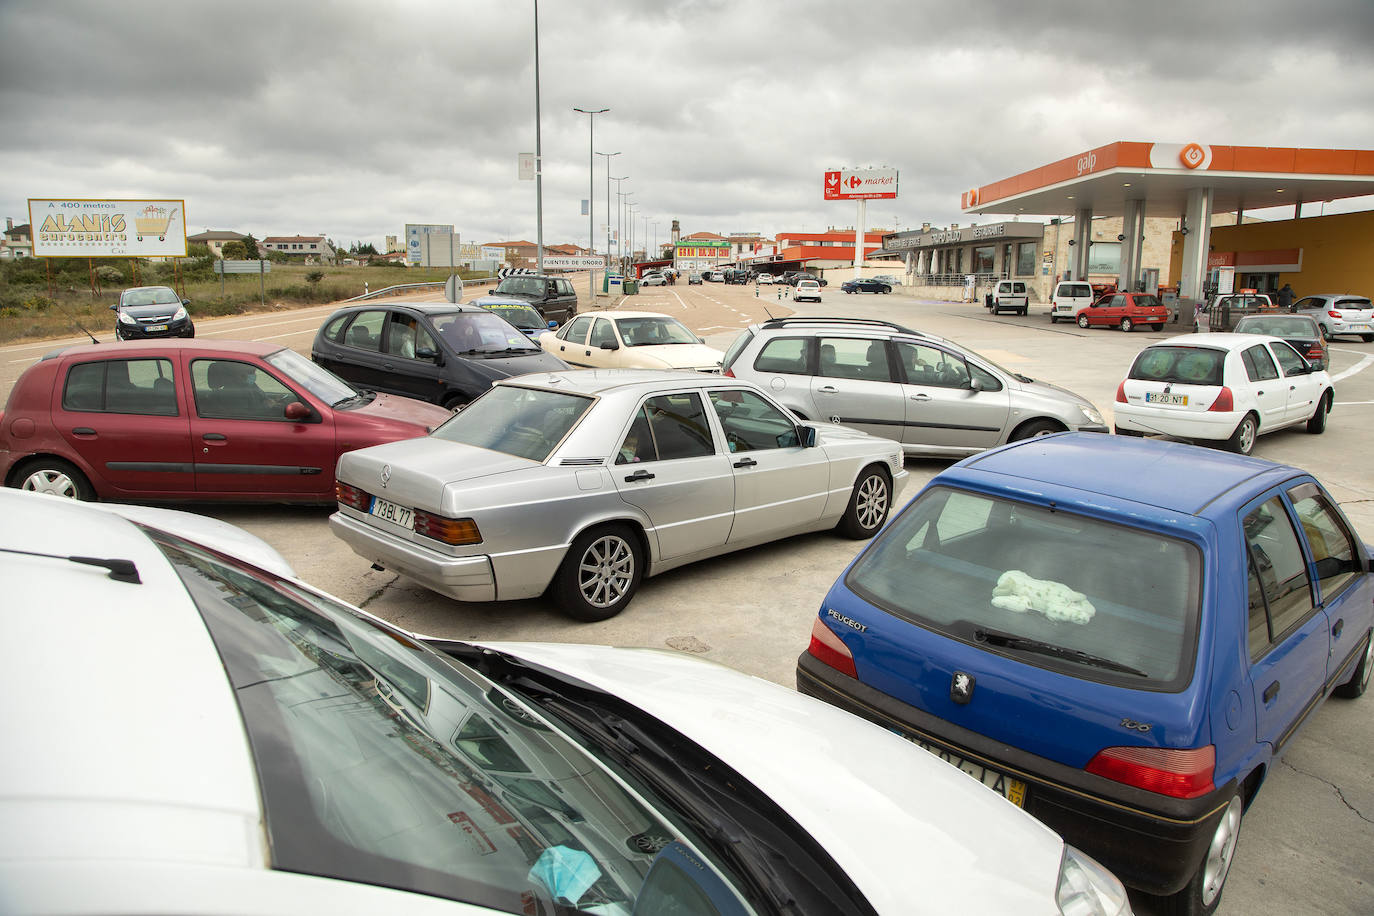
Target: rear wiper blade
{"points": [[1026, 644]]}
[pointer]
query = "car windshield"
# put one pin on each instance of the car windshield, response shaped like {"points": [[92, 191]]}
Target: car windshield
{"points": [[650, 331], [475, 333], [522, 316], [153, 295], [525, 422], [521, 286], [1277, 327], [1187, 365], [313, 377], [1122, 602], [383, 762]]}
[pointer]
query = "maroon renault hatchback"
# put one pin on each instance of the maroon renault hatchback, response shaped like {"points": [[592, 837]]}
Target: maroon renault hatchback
{"points": [[192, 420]]}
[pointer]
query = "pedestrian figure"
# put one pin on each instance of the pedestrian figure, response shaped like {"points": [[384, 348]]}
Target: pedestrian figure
{"points": [[1286, 297]]}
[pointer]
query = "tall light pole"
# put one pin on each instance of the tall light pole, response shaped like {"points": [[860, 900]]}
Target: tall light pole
{"points": [[538, 153], [630, 212], [591, 177], [620, 223], [608, 203]]}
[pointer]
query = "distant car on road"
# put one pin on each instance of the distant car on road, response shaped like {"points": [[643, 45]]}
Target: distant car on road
{"points": [[554, 297], [694, 278], [176, 421], [766, 279], [441, 352], [1124, 311], [146, 312], [1009, 296], [1222, 388], [1340, 314], [889, 279], [807, 290], [519, 313], [865, 285], [653, 280]]}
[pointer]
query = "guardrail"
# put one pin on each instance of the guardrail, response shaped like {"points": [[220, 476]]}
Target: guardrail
{"points": [[400, 288]]}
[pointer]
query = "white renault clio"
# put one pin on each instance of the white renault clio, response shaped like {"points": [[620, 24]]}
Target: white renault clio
{"points": [[1226, 388], [193, 730]]}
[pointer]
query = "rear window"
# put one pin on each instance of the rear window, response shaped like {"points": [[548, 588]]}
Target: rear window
{"points": [[525, 422], [1353, 304], [736, 347], [1092, 599], [1189, 365], [1076, 290]]}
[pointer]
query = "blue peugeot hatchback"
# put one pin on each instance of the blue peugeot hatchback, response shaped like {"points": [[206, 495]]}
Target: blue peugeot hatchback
{"points": [[1119, 635]]}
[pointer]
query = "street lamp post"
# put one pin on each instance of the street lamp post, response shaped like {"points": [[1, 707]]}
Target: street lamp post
{"points": [[591, 177], [630, 218], [538, 153], [608, 204], [620, 224]]}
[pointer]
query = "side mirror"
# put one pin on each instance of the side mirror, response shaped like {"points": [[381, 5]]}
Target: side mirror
{"points": [[185, 301], [808, 436], [115, 307], [298, 412], [427, 353], [975, 384], [610, 345]]}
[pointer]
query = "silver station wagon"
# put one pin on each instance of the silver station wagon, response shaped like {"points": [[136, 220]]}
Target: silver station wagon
{"points": [[582, 483]]}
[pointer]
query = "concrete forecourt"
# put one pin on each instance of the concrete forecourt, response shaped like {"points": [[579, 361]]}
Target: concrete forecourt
{"points": [[1305, 846]]}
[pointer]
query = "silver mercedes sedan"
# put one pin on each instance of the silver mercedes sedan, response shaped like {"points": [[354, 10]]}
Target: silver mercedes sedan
{"points": [[582, 483]]}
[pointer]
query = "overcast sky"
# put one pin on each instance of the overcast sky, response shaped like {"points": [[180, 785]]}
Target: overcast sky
{"points": [[353, 119]]}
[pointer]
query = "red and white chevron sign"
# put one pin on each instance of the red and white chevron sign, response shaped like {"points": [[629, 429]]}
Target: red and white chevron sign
{"points": [[861, 184]]}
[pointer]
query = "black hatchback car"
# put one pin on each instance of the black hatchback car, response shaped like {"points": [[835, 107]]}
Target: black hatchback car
{"points": [[865, 285], [440, 352], [145, 312]]}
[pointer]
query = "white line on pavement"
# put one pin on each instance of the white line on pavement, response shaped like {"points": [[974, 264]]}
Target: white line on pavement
{"points": [[1362, 364]]}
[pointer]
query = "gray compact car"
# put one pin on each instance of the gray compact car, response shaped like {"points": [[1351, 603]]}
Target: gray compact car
{"points": [[1340, 314], [929, 393], [582, 483]]}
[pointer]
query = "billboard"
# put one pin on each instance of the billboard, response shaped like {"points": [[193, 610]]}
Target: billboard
{"points": [[83, 228], [413, 243], [861, 184]]}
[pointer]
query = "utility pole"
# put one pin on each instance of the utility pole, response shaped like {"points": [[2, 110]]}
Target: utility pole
{"points": [[538, 154], [608, 205], [591, 173]]}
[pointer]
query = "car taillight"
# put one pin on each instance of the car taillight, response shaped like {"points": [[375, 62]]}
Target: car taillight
{"points": [[455, 531], [1121, 393], [352, 497], [1333, 314], [1178, 773], [829, 648], [1315, 352], [1224, 402]]}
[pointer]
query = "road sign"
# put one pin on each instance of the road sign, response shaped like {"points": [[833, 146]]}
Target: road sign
{"points": [[243, 267], [861, 184], [572, 263]]}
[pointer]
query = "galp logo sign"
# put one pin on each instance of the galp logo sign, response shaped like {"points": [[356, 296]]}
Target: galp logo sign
{"points": [[1086, 163], [1192, 155], [972, 197]]}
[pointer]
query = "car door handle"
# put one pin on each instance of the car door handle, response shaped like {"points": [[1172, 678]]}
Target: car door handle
{"points": [[828, 389], [83, 431], [745, 463], [1271, 691], [920, 397], [641, 474], [214, 437], [1338, 628]]}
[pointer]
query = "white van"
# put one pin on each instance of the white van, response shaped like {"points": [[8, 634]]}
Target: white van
{"points": [[1069, 296], [1011, 296]]}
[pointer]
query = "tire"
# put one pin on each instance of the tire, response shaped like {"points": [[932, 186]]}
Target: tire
{"points": [[1367, 338], [869, 504], [1326, 332], [1359, 678], [455, 402], [1035, 428], [53, 476], [1083, 321], [1316, 424], [1025, 312], [600, 574], [1242, 441], [1156, 327], [1127, 325], [1202, 894], [1054, 319]]}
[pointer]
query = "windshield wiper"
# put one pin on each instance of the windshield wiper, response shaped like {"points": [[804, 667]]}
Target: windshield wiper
{"points": [[363, 396], [1026, 644]]}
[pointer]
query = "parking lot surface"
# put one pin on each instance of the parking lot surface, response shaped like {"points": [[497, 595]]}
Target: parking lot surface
{"points": [[1308, 842]]}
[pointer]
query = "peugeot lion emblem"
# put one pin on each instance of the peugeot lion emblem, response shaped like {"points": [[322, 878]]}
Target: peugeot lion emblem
{"points": [[386, 475], [961, 687]]}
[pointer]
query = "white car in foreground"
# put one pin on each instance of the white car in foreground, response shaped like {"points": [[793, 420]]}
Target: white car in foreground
{"points": [[1224, 388], [214, 737]]}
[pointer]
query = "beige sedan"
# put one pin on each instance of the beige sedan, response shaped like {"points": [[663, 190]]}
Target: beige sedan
{"points": [[630, 340]]}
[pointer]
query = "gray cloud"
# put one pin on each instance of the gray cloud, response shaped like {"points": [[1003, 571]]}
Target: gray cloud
{"points": [[354, 118]]}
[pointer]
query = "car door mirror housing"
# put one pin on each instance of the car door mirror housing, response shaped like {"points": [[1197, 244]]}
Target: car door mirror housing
{"points": [[299, 412], [610, 345], [975, 384], [807, 434], [427, 353]]}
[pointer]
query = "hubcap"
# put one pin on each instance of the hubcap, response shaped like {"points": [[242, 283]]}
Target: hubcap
{"points": [[1368, 664], [1220, 853], [54, 483], [872, 502], [606, 571], [1247, 436]]}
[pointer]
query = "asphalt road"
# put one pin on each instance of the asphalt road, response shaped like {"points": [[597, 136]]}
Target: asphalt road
{"points": [[1308, 841]]}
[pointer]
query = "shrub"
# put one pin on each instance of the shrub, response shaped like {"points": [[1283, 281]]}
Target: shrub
{"points": [[37, 303], [107, 273]]}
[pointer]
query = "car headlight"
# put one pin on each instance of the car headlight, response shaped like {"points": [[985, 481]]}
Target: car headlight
{"points": [[1092, 415], [180, 314], [126, 318], [1088, 889]]}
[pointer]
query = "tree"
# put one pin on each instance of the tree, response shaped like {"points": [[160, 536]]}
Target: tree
{"points": [[235, 251], [250, 246]]}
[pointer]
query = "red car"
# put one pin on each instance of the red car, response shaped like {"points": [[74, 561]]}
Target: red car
{"points": [[1125, 311], [192, 420]]}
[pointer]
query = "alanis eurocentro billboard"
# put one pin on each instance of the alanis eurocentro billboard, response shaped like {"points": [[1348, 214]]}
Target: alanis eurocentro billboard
{"points": [[81, 228]]}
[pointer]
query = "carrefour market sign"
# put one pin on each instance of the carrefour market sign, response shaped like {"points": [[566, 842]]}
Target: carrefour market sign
{"points": [[79, 228], [861, 184]]}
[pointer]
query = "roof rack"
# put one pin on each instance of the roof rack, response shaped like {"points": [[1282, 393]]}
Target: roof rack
{"points": [[867, 322]]}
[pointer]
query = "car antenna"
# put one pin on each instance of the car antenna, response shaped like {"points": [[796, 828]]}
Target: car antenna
{"points": [[769, 314], [120, 570], [73, 320]]}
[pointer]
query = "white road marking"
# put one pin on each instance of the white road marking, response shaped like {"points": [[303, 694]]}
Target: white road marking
{"points": [[1361, 365]]}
